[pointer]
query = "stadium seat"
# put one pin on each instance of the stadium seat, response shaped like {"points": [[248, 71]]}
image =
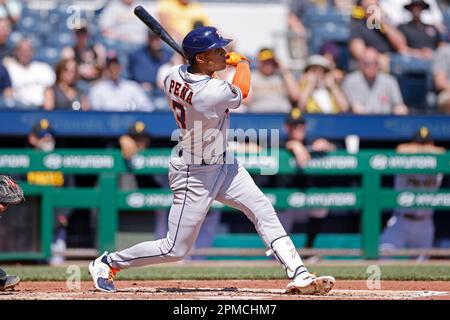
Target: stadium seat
{"points": [[50, 55], [159, 100], [33, 13], [28, 24], [61, 40], [401, 64], [237, 240], [6, 103], [316, 16], [414, 88], [14, 37], [414, 78], [337, 241], [54, 17], [328, 32]]}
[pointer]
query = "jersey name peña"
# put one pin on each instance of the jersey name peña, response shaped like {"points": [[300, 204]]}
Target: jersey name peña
{"points": [[184, 94]]}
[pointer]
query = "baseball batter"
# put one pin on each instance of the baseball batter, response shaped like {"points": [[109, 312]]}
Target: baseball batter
{"points": [[201, 171]]}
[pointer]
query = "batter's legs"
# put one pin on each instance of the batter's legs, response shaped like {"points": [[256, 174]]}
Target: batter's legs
{"points": [[240, 191], [194, 188]]}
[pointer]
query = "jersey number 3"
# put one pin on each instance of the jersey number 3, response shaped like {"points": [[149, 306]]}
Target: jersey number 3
{"points": [[180, 114]]}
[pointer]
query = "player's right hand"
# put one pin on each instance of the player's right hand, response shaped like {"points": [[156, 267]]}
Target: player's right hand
{"points": [[233, 58]]}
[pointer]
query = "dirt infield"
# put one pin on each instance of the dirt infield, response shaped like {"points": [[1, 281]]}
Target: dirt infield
{"points": [[228, 290]]}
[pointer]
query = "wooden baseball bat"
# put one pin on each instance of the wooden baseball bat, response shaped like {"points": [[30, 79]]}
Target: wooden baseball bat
{"points": [[157, 28]]}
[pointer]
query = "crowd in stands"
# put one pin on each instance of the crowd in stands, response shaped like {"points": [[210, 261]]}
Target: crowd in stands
{"points": [[377, 57], [358, 56]]}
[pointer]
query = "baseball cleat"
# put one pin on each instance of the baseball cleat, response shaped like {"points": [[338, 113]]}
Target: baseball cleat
{"points": [[9, 282], [310, 285], [102, 274]]}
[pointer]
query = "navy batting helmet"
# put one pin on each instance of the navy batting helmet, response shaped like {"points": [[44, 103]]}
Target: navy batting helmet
{"points": [[201, 39]]}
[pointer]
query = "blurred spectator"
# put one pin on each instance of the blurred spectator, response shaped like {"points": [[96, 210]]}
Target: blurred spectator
{"points": [[42, 138], [89, 56], [297, 9], [5, 83], [296, 141], [11, 10], [134, 141], [117, 94], [397, 15], [64, 94], [181, 16], [145, 62], [441, 77], [331, 52], [413, 228], [295, 127], [371, 91], [29, 78], [274, 88], [319, 92], [118, 22], [298, 34], [5, 47], [422, 39], [370, 28]]}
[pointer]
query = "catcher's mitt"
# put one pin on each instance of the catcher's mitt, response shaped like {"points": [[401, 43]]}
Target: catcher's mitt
{"points": [[10, 192]]}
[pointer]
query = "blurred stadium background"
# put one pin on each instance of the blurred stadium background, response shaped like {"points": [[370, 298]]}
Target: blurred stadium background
{"points": [[95, 207]]}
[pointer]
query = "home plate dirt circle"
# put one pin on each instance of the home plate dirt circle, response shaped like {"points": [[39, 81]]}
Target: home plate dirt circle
{"points": [[226, 290]]}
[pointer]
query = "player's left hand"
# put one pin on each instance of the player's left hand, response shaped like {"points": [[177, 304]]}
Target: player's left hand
{"points": [[233, 58]]}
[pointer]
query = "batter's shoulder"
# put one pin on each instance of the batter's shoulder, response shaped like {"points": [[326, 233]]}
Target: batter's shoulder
{"points": [[175, 69]]}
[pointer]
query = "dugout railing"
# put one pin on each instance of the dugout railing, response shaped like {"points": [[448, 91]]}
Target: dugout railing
{"points": [[370, 197]]}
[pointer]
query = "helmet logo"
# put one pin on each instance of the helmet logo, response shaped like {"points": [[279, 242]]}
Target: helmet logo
{"points": [[218, 34]]}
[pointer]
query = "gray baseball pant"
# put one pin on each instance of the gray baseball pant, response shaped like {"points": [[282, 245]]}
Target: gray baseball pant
{"points": [[194, 188]]}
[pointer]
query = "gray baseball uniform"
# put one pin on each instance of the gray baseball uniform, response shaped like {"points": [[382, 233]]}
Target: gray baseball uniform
{"points": [[198, 176]]}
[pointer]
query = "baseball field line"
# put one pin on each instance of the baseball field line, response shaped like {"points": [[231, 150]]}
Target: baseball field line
{"points": [[199, 272]]}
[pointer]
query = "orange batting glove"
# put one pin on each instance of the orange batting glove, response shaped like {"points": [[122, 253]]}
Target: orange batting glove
{"points": [[233, 58]]}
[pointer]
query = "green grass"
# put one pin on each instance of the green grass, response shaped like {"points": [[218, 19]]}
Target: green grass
{"points": [[44, 273]]}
